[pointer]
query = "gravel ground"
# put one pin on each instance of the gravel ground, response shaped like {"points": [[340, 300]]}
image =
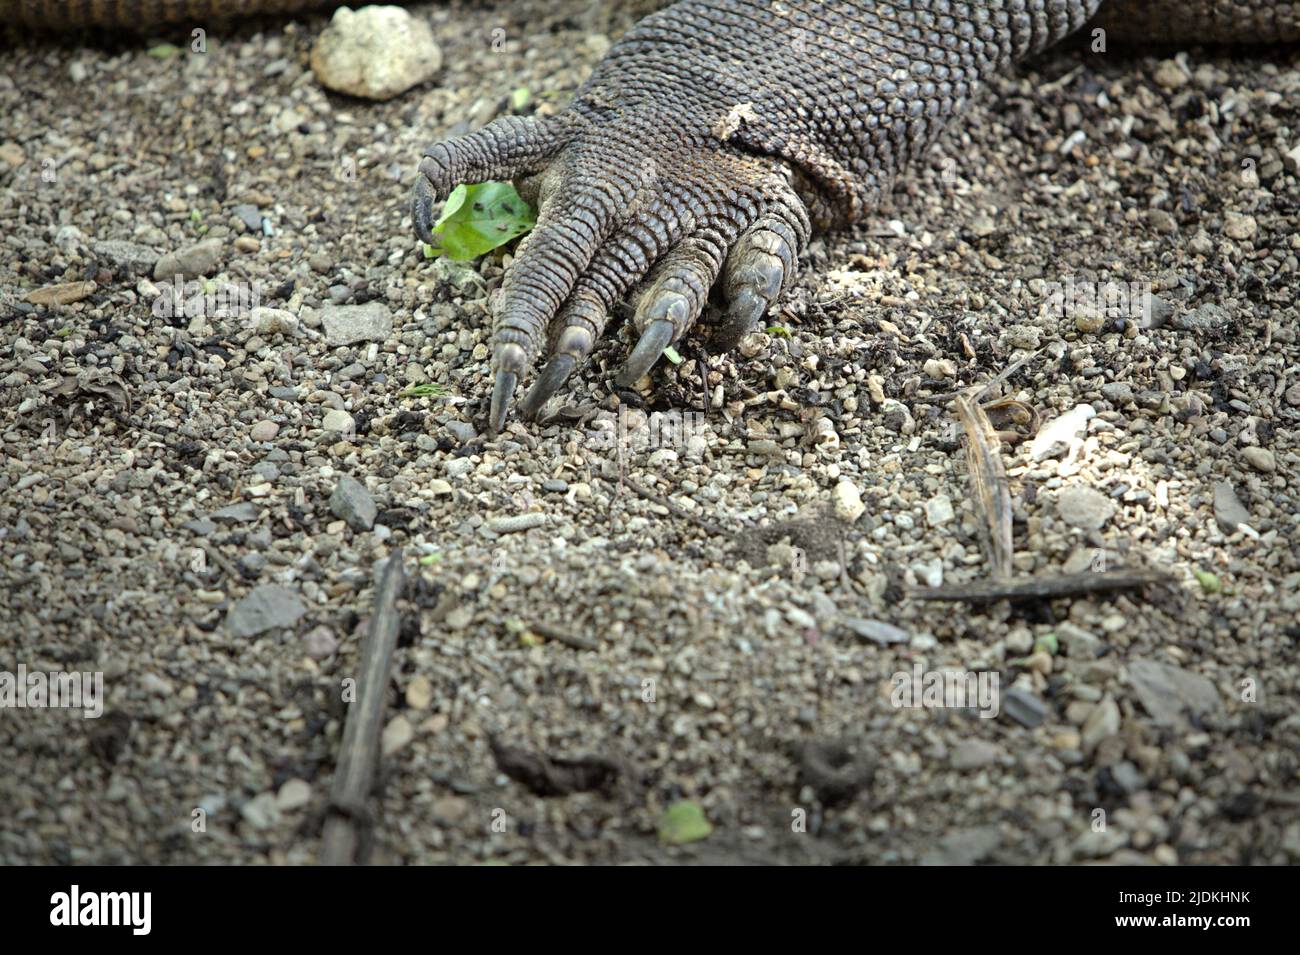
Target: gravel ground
{"points": [[720, 616]]}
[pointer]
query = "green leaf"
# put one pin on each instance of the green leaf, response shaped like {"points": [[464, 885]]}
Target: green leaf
{"points": [[453, 204], [428, 390], [683, 822], [671, 354], [429, 559], [1209, 582], [1047, 643], [477, 219], [519, 99], [162, 51], [779, 330]]}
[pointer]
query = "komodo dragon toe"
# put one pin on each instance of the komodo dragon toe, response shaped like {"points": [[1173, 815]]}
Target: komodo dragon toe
{"points": [[636, 201]]}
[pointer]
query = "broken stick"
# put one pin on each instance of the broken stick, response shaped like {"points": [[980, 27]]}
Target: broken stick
{"points": [[347, 824], [988, 476], [1045, 588]]}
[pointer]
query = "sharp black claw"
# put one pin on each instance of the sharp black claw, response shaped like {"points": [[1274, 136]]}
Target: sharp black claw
{"points": [[510, 361], [743, 315], [502, 391], [657, 336], [553, 376], [422, 210]]}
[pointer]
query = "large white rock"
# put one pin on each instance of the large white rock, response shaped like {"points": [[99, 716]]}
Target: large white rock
{"points": [[375, 52]]}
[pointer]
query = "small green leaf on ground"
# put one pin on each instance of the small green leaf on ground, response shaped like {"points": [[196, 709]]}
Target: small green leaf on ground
{"points": [[428, 559], [429, 389], [779, 330], [519, 99], [1209, 582], [671, 354], [477, 219], [162, 51], [683, 822], [1047, 643]]}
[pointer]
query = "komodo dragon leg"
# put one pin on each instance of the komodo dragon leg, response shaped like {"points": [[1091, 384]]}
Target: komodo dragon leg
{"points": [[715, 131], [709, 140]]}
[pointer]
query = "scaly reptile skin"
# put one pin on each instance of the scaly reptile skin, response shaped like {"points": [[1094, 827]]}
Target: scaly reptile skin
{"points": [[713, 132], [710, 139]]}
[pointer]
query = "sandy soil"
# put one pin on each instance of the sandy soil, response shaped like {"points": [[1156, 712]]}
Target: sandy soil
{"points": [[738, 625]]}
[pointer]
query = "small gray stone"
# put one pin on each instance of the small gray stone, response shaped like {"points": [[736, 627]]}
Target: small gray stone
{"points": [[1261, 459], [1229, 512], [261, 812], [1171, 75], [1023, 707], [320, 643], [350, 372], [1239, 225], [964, 847], [938, 510], [338, 421], [1162, 221], [876, 631], [201, 526], [974, 754], [250, 216], [462, 431], [1127, 777], [263, 431], [1077, 642], [192, 262], [294, 794], [517, 522], [1169, 693], [352, 502], [240, 513], [345, 324], [129, 257], [264, 608], [273, 321], [1102, 722], [1084, 507], [458, 467], [1118, 393], [1027, 337], [1158, 312], [1203, 318]]}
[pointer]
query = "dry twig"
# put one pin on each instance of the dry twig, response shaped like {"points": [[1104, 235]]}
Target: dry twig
{"points": [[345, 828]]}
